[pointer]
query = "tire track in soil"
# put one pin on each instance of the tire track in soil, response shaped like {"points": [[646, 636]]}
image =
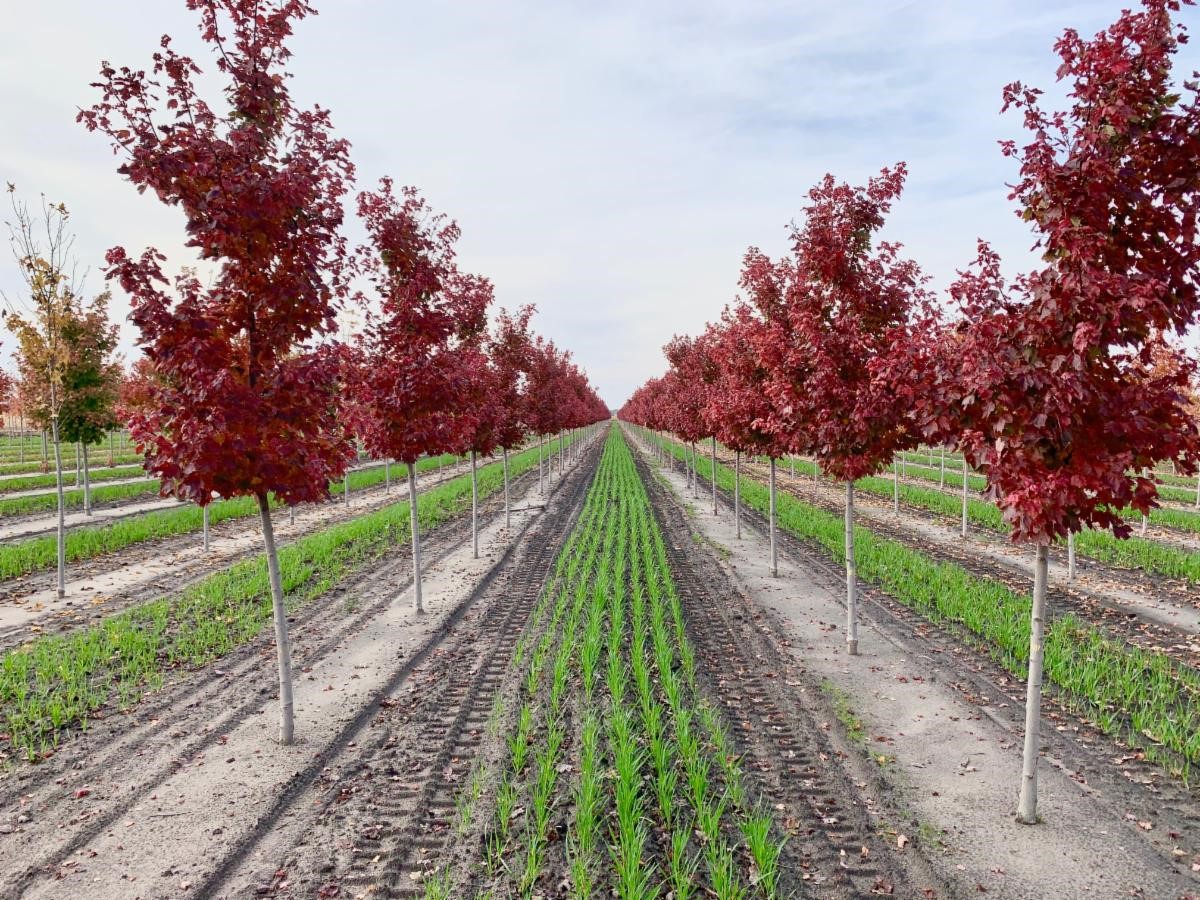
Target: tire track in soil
{"points": [[783, 746], [224, 696], [1119, 621], [406, 776], [1131, 788]]}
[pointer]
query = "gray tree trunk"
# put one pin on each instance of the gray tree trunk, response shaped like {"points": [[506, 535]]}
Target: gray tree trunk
{"points": [[792, 465], [1145, 522], [387, 476], [851, 576], [474, 507], [1198, 492], [87, 484], [964, 498], [507, 506], [1070, 556], [895, 487], [1027, 804], [78, 477], [737, 492], [714, 475], [942, 476], [46, 454], [774, 547], [346, 485], [282, 646], [416, 536], [62, 524], [205, 529], [112, 457]]}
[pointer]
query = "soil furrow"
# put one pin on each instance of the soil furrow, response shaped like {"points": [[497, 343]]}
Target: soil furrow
{"points": [[793, 759]]}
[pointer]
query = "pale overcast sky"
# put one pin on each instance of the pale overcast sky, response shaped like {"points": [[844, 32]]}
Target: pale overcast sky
{"points": [[609, 162]]}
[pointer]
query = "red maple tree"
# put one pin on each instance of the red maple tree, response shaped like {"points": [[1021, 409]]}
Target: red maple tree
{"points": [[848, 305], [245, 404], [1051, 387], [408, 381], [509, 350]]}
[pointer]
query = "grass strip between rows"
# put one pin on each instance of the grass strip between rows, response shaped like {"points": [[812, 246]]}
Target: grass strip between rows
{"points": [[1132, 552], [58, 682], [38, 553], [31, 482], [32, 465], [1128, 692]]}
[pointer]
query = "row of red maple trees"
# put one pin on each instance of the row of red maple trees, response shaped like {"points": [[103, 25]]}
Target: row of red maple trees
{"points": [[1060, 386], [244, 390]]}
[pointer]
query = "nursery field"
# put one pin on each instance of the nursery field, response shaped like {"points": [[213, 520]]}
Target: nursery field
{"points": [[604, 703], [325, 576]]}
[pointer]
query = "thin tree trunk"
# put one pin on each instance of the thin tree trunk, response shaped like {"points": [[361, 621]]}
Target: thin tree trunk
{"points": [[78, 478], [416, 536], [942, 476], [474, 507], [792, 465], [964, 498], [87, 484], [1070, 556], [205, 529], [1198, 492], [507, 507], [851, 576], [1027, 805], [346, 485], [46, 454], [714, 474], [774, 546], [562, 461], [737, 492], [387, 476], [541, 483], [896, 487], [283, 648], [112, 457], [1145, 522], [62, 524]]}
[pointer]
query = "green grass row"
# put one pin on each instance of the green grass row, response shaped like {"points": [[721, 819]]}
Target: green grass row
{"points": [[1133, 552], [97, 456], [73, 498], [1185, 520], [1134, 694], [59, 682], [608, 651], [10, 485], [38, 553]]}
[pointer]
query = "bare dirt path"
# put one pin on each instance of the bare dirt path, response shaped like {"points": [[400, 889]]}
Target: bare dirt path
{"points": [[939, 731], [190, 796]]}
